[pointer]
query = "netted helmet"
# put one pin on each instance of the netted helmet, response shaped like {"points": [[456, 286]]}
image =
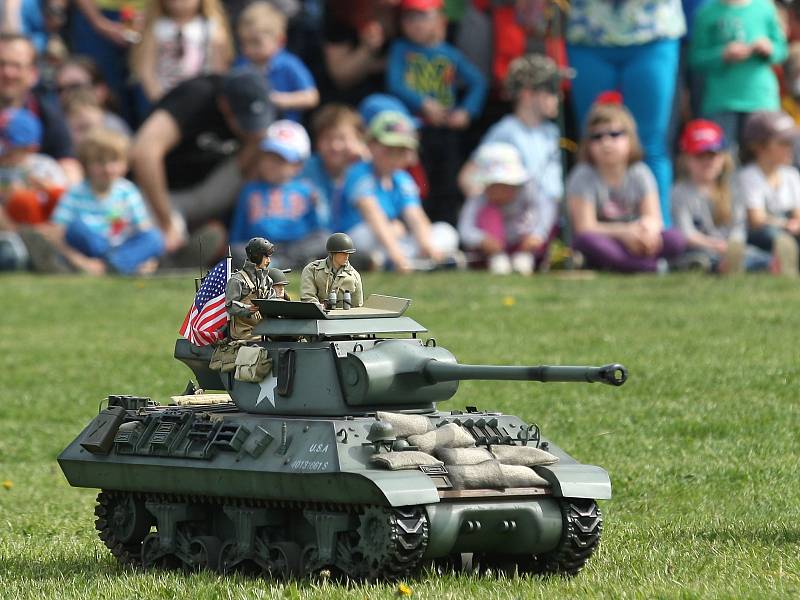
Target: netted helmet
{"points": [[257, 248], [340, 242], [278, 276]]}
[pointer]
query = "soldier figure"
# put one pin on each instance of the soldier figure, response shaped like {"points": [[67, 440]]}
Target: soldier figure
{"points": [[332, 276], [252, 281], [279, 283]]}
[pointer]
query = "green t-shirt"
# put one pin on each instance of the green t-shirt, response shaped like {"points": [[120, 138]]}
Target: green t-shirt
{"points": [[744, 86]]}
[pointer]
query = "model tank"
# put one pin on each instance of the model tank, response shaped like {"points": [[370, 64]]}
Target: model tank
{"points": [[325, 450]]}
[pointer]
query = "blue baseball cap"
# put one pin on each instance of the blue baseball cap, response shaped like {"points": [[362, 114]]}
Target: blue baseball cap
{"points": [[19, 128], [378, 103], [247, 93]]}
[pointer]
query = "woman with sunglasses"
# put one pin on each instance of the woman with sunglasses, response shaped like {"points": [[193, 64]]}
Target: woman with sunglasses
{"points": [[612, 199]]}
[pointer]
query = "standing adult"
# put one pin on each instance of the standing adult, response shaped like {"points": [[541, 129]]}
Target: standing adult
{"points": [[631, 46], [18, 78], [189, 155]]}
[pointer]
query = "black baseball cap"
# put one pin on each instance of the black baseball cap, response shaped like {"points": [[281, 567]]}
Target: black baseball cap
{"points": [[247, 93]]}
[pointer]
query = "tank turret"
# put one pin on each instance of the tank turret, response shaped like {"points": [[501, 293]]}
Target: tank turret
{"points": [[355, 368]]}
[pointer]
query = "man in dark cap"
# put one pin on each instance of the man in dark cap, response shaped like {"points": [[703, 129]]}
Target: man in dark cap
{"points": [[251, 281], [189, 155], [333, 276]]}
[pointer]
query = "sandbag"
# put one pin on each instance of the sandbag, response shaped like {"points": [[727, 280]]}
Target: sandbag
{"points": [[253, 364], [519, 476], [462, 456], [447, 436], [406, 425], [487, 474], [527, 456], [410, 459]]}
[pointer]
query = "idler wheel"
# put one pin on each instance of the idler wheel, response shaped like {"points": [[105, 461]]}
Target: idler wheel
{"points": [[122, 523]]}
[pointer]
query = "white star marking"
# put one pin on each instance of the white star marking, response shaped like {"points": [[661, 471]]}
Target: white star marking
{"points": [[267, 386]]}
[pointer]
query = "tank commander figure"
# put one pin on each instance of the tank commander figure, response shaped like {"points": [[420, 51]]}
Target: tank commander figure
{"points": [[251, 281], [279, 283], [332, 276]]}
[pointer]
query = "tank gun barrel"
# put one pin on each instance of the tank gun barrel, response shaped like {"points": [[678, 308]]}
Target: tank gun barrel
{"points": [[611, 374]]}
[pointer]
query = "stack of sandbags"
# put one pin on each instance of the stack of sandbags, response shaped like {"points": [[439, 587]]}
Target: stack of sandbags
{"points": [[477, 468]]}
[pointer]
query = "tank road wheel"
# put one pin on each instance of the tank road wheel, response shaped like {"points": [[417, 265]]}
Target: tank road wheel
{"points": [[204, 553], [122, 523], [285, 559], [154, 557], [390, 543], [583, 524]]}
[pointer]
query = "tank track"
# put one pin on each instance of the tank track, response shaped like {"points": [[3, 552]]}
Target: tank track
{"points": [[123, 524], [583, 524]]}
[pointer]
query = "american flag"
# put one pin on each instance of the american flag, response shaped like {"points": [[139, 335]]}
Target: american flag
{"points": [[207, 316]]}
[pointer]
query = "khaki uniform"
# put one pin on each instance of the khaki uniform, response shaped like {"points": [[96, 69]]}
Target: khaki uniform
{"points": [[319, 280], [243, 286]]}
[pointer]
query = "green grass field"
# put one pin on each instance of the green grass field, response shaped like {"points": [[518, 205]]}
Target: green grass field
{"points": [[702, 442]]}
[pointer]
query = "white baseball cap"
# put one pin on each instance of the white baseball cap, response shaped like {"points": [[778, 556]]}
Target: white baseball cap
{"points": [[499, 162], [288, 140]]}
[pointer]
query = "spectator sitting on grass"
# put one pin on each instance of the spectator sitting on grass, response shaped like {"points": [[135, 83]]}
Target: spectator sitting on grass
{"points": [[339, 139], [510, 217], [101, 224], [262, 36], [83, 114], [30, 183], [613, 199], [532, 83], [769, 187], [381, 208], [277, 205], [703, 207]]}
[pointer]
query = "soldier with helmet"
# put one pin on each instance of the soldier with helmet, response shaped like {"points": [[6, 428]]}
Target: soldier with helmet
{"points": [[279, 283], [333, 275], [252, 281]]}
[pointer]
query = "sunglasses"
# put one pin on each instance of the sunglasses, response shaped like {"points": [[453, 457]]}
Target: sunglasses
{"points": [[599, 135], [71, 87]]}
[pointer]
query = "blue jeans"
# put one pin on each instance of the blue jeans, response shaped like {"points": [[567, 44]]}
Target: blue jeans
{"points": [[124, 258], [646, 75]]}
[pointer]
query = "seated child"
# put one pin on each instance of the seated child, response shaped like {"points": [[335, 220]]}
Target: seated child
{"points": [[381, 207], [511, 217], [262, 36], [703, 207], [277, 205], [613, 199], [339, 140], [769, 187], [102, 223], [30, 183], [83, 113]]}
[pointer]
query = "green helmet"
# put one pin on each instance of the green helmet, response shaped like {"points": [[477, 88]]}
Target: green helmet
{"points": [[278, 276], [257, 248], [340, 242]]}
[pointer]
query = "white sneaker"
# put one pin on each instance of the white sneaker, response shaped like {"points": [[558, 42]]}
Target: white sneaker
{"points": [[499, 264], [523, 263]]}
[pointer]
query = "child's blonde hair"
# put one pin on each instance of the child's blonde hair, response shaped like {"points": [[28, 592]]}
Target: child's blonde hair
{"points": [[102, 144], [78, 99], [604, 114], [264, 17], [721, 195], [334, 115]]}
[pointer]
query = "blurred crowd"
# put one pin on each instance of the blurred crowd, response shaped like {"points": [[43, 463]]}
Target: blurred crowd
{"points": [[513, 135]]}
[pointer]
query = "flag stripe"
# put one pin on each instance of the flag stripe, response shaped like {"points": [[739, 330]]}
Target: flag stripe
{"points": [[207, 316]]}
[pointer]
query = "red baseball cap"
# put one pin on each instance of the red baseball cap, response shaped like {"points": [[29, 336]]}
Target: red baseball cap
{"points": [[421, 4], [701, 136]]}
